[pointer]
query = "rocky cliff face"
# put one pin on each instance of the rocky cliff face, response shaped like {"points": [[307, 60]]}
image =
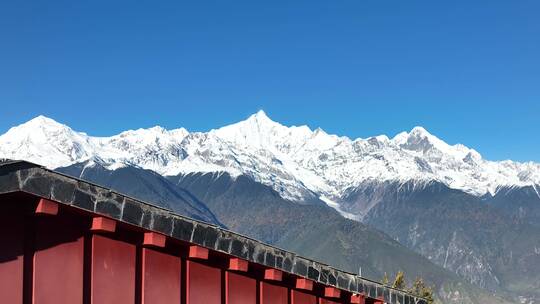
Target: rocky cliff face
{"points": [[469, 235]]}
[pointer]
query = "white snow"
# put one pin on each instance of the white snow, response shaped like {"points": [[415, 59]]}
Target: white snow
{"points": [[299, 163]]}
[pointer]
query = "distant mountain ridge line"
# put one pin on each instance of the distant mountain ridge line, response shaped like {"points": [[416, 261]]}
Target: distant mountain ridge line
{"points": [[299, 163], [474, 217]]}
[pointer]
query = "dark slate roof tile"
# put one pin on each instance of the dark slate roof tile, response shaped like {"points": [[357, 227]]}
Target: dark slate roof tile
{"points": [[162, 222], [63, 189], [323, 277], [132, 212], [270, 259], [301, 266], [313, 274], [38, 182], [9, 181], [182, 229], [342, 281], [83, 200], [224, 244], [110, 204], [288, 264]]}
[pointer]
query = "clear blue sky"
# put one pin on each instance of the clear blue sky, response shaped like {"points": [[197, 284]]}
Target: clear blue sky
{"points": [[468, 71]]}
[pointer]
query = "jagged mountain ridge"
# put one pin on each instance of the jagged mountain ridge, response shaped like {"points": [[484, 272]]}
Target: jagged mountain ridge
{"points": [[305, 167], [301, 164]]}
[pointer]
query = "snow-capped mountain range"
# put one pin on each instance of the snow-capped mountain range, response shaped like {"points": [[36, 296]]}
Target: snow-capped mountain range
{"points": [[299, 163]]}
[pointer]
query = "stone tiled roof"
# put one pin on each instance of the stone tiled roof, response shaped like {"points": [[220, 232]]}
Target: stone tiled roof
{"points": [[37, 180]]}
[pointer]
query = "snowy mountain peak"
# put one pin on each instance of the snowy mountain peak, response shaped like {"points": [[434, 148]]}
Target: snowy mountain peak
{"points": [[417, 134], [258, 131], [44, 141], [259, 121], [420, 131], [298, 163], [39, 129], [41, 119], [41, 123], [261, 116], [421, 141]]}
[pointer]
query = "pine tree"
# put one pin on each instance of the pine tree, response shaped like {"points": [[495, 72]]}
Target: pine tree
{"points": [[399, 281], [385, 279], [420, 289]]}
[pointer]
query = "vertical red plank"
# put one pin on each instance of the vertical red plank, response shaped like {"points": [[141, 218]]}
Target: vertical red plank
{"points": [[271, 294], [58, 262], [160, 278], [203, 284], [298, 297], [113, 271], [11, 256], [240, 289]]}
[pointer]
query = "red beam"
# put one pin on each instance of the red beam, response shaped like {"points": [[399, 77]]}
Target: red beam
{"points": [[154, 239], [197, 252], [305, 284], [358, 299], [273, 274], [331, 292], [103, 224], [238, 264], [46, 206]]}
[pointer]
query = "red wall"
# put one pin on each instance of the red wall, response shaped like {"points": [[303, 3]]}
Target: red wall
{"points": [[58, 268], [11, 255], [56, 259], [113, 271], [203, 284], [240, 289], [298, 297], [161, 279], [272, 294]]}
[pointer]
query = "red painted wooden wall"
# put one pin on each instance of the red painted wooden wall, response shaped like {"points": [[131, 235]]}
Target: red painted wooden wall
{"points": [[203, 284], [58, 262], [272, 294], [240, 289], [11, 254], [113, 271], [57, 259], [298, 297], [161, 278]]}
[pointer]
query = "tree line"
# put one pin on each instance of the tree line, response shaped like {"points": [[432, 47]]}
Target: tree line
{"points": [[418, 287]]}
